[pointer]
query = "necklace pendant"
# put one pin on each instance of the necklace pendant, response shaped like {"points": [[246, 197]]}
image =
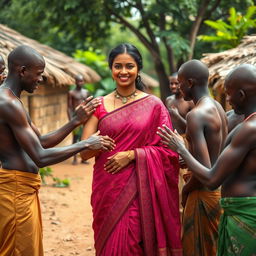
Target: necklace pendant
{"points": [[124, 100]]}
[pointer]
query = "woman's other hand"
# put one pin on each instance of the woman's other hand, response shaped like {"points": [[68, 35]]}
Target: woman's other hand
{"points": [[118, 161]]}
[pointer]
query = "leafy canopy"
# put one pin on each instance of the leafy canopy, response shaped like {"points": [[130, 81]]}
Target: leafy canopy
{"points": [[229, 34]]}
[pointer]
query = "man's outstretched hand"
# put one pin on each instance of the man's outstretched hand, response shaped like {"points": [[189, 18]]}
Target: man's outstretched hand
{"points": [[85, 109], [171, 139], [99, 142]]}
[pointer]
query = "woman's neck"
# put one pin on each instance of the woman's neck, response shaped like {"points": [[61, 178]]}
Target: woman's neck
{"points": [[125, 90]]}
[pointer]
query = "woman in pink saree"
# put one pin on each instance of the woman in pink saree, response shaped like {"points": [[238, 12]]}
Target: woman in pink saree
{"points": [[135, 197]]}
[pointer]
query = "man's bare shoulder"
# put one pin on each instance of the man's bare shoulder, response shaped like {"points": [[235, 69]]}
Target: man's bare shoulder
{"points": [[8, 98], [71, 92], [170, 100], [195, 115], [245, 132], [207, 109], [171, 97], [85, 90], [194, 112], [249, 127], [10, 106]]}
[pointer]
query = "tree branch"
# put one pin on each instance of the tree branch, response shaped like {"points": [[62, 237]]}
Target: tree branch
{"points": [[169, 51], [196, 26], [202, 12], [141, 37], [147, 25]]}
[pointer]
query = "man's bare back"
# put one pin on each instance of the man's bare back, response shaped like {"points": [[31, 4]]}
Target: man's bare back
{"points": [[235, 168], [208, 120], [206, 130]]}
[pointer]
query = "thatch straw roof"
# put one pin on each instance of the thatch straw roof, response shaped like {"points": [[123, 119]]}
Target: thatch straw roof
{"points": [[149, 81], [220, 64], [60, 69]]}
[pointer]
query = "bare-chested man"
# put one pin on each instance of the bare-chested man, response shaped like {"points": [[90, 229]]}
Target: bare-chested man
{"points": [[23, 150], [177, 106], [2, 70], [178, 109], [235, 169], [76, 97], [206, 133]]}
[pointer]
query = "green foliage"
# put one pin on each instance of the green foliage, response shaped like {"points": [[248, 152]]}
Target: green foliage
{"points": [[229, 34], [97, 61], [63, 25], [165, 28], [61, 183], [47, 172], [107, 86], [94, 59], [180, 45]]}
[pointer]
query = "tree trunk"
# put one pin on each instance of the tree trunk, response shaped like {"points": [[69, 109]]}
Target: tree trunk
{"points": [[196, 26], [162, 78], [202, 12], [170, 56]]}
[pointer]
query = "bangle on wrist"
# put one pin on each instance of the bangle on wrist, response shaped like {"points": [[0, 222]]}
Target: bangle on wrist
{"points": [[129, 155]]}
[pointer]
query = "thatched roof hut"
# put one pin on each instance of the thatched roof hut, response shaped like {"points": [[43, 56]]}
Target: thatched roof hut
{"points": [[220, 64], [60, 69]]}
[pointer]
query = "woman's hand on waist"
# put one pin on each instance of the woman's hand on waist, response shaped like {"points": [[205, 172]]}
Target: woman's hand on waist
{"points": [[118, 161]]}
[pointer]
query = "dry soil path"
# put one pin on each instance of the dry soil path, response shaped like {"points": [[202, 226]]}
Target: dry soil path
{"points": [[67, 215]]}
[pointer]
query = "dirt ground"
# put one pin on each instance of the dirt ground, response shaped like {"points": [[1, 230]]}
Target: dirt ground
{"points": [[66, 212]]}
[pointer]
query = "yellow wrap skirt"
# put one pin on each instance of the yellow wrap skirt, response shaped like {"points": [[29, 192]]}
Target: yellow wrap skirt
{"points": [[20, 214]]}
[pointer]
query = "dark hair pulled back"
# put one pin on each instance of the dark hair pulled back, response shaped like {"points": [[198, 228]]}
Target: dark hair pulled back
{"points": [[132, 51]]}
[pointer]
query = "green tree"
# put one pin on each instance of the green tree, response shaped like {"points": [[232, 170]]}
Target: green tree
{"points": [[167, 28], [229, 34], [97, 61]]}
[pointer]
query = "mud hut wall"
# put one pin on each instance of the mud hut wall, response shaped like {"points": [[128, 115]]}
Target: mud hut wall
{"points": [[48, 109]]}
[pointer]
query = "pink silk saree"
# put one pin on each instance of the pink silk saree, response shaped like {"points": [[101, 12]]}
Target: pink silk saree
{"points": [[136, 211]]}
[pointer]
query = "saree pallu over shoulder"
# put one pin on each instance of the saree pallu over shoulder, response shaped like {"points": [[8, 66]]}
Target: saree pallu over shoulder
{"points": [[237, 229], [136, 210], [20, 214]]}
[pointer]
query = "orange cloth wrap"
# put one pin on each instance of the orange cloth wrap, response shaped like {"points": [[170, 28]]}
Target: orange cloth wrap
{"points": [[20, 214], [200, 223]]}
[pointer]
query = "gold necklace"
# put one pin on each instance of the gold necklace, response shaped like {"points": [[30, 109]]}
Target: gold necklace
{"points": [[124, 99]]}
